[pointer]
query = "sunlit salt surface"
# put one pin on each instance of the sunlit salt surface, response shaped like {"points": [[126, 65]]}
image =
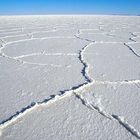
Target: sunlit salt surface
{"points": [[69, 77]]}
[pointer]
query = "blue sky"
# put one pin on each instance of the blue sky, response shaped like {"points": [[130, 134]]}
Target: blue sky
{"points": [[17, 7]]}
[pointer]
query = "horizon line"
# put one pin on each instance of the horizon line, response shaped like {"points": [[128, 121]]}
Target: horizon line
{"points": [[89, 14]]}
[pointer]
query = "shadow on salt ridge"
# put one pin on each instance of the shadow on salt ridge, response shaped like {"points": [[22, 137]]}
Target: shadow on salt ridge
{"points": [[119, 99], [60, 119]]}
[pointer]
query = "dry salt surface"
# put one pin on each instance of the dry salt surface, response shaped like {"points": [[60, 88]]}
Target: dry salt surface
{"points": [[69, 77]]}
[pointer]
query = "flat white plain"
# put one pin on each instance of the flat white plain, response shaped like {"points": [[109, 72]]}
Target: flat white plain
{"points": [[69, 77]]}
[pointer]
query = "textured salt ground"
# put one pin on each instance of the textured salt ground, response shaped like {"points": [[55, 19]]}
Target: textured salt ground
{"points": [[43, 55], [31, 83], [108, 58], [49, 46], [111, 99], [136, 48], [78, 121], [41, 75]]}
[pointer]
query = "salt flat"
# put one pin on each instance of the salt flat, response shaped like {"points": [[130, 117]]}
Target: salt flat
{"points": [[69, 77]]}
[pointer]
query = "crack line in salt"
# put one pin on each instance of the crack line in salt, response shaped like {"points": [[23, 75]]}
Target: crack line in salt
{"points": [[132, 42], [75, 91]]}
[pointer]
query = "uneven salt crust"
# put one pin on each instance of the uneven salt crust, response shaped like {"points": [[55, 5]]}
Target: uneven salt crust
{"points": [[78, 122], [86, 70]]}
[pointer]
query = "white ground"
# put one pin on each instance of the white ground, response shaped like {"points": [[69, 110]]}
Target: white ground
{"points": [[69, 78]]}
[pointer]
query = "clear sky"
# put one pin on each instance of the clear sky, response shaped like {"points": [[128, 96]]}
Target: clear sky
{"points": [[17, 7]]}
